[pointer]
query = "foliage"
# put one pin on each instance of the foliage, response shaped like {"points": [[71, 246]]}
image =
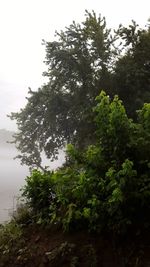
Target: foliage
{"points": [[82, 59], [132, 69], [107, 186], [60, 111], [105, 182], [38, 192], [10, 231], [23, 214], [10, 241]]}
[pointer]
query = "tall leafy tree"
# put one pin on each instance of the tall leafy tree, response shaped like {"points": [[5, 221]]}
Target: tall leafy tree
{"points": [[79, 63], [82, 60]]}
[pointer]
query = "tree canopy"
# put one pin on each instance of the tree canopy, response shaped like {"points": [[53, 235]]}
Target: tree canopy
{"points": [[83, 59], [132, 70]]}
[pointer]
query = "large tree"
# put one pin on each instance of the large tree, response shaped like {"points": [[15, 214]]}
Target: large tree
{"points": [[79, 63]]}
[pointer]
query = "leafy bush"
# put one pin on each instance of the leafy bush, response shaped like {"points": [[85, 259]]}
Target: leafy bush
{"points": [[106, 186], [23, 214], [39, 193]]}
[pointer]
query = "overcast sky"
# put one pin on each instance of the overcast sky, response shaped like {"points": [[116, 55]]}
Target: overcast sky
{"points": [[23, 25]]}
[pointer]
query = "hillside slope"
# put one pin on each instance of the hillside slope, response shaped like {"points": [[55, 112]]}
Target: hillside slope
{"points": [[39, 246]]}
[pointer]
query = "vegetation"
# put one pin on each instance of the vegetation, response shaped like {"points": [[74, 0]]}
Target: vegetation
{"points": [[82, 60], [132, 70], [104, 189], [104, 186], [60, 111]]}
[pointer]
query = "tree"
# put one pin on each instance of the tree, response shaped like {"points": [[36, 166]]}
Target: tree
{"points": [[84, 59], [60, 111], [132, 69]]}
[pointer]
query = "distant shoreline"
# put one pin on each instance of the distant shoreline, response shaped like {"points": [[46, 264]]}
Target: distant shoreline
{"points": [[6, 137]]}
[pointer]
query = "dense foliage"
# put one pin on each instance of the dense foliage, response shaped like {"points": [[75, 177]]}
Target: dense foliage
{"points": [[106, 186], [82, 60]]}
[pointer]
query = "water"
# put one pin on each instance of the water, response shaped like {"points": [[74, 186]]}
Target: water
{"points": [[12, 178]]}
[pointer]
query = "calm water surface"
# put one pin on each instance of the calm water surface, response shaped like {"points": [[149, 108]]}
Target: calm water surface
{"points": [[12, 178]]}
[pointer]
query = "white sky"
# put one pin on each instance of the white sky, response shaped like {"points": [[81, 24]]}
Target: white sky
{"points": [[23, 25]]}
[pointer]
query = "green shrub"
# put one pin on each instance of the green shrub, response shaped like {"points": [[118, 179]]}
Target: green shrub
{"points": [[38, 192], [23, 214], [106, 186]]}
